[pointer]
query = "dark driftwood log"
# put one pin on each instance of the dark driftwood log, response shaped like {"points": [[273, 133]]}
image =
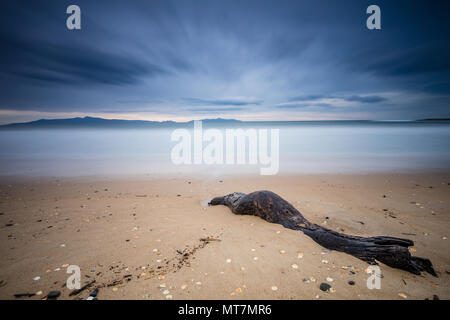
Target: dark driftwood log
{"points": [[271, 207]]}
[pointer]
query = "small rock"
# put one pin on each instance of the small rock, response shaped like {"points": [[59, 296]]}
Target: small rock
{"points": [[274, 288], [94, 293], [324, 286], [352, 283], [52, 295]]}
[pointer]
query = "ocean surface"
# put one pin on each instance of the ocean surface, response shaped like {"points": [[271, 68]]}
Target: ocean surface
{"points": [[304, 147]]}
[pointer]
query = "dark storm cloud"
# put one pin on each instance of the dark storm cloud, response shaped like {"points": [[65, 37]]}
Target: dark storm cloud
{"points": [[247, 57], [65, 65]]}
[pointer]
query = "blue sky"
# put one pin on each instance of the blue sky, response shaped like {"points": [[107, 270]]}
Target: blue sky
{"points": [[249, 60]]}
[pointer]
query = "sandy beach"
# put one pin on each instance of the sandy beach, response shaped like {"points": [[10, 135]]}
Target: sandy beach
{"points": [[148, 237]]}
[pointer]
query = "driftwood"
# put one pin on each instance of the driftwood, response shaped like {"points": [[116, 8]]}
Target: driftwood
{"points": [[272, 208]]}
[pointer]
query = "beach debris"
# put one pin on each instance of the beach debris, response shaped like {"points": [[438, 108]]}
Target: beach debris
{"points": [[403, 295], [77, 291], [274, 288], [37, 278], [21, 295], [209, 239], [325, 286], [94, 293], [294, 266], [53, 295]]}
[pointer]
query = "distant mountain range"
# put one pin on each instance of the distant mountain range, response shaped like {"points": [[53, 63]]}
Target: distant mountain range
{"points": [[93, 122], [105, 123]]}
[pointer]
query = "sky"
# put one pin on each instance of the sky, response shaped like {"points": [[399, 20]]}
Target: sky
{"points": [[248, 60]]}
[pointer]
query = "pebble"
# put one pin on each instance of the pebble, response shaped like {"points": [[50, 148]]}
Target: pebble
{"points": [[299, 255], [115, 289], [53, 294], [165, 292], [294, 266], [39, 293], [282, 251], [352, 283], [324, 286], [228, 261], [36, 278], [162, 285], [94, 293], [403, 295], [184, 286], [330, 279], [325, 261]]}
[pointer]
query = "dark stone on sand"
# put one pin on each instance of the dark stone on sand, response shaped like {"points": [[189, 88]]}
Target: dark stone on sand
{"points": [[352, 283], [384, 196], [180, 252], [9, 225], [435, 297], [53, 294], [94, 293], [324, 286]]}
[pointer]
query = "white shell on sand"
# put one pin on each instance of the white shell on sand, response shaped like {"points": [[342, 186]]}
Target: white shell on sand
{"points": [[36, 278], [294, 266], [274, 288]]}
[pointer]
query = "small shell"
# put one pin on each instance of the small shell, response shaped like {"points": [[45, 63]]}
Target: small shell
{"points": [[228, 261], [115, 289], [294, 266], [255, 258], [184, 286], [161, 277], [238, 290], [165, 292], [65, 265], [274, 288], [162, 285], [332, 290], [403, 295], [299, 255], [325, 261], [282, 251], [36, 278], [330, 279]]}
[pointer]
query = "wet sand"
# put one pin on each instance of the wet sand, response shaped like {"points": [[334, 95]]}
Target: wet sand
{"points": [[150, 237]]}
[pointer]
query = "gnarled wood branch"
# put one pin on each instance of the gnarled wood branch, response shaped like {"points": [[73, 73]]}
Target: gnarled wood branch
{"points": [[271, 207]]}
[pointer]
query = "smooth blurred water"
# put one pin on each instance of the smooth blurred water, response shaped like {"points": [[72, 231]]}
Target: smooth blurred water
{"points": [[318, 147]]}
